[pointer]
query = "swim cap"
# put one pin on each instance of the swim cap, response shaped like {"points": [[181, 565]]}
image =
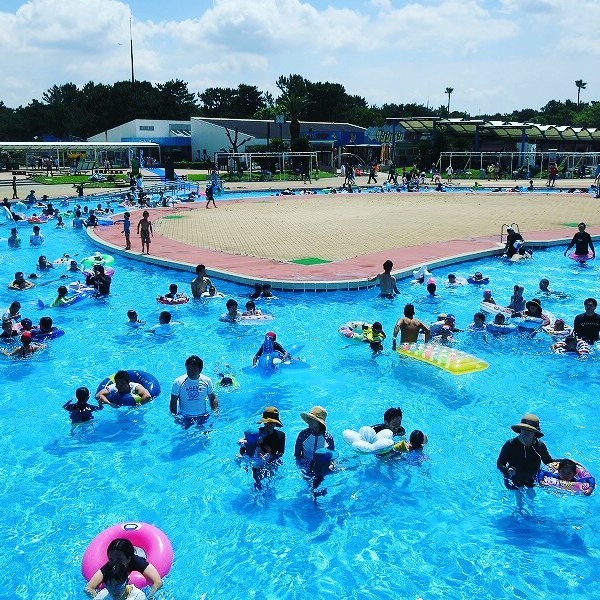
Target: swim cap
{"points": [[26, 336], [271, 335]]}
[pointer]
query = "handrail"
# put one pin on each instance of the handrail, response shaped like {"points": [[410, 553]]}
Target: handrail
{"points": [[506, 225]]}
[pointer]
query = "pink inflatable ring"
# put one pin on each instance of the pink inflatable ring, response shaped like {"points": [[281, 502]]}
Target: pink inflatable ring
{"points": [[148, 541]]}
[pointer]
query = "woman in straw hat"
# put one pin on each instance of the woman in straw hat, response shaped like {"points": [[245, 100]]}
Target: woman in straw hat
{"points": [[520, 458], [315, 436]]}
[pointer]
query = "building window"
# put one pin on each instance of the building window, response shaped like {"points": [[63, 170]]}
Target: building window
{"points": [[146, 127]]}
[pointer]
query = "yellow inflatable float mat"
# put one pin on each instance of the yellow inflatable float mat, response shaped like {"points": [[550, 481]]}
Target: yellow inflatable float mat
{"points": [[443, 357]]}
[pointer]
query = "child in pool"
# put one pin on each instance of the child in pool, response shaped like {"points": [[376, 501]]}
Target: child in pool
{"points": [[499, 319], [251, 309], [133, 319], [415, 442], [80, 411], [375, 336], [567, 471], [173, 293], [487, 297], [478, 323]]}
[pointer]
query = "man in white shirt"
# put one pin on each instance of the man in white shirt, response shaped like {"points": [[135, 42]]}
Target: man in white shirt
{"points": [[189, 394]]}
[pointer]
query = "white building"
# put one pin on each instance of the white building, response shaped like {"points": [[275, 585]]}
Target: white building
{"points": [[173, 137]]}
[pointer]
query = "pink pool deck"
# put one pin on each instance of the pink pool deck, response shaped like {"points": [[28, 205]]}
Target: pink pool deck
{"points": [[349, 274]]}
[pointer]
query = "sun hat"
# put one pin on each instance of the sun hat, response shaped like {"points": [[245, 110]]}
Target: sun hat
{"points": [[317, 413], [532, 302], [271, 415], [442, 316], [561, 321], [530, 422], [450, 318], [509, 229]]}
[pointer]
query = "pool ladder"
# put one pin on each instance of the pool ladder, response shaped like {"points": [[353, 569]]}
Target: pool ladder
{"points": [[505, 226]]}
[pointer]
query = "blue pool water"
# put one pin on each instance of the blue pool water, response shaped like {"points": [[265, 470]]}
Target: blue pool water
{"points": [[447, 529]]}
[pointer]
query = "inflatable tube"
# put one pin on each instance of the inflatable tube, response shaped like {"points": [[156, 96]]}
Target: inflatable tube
{"points": [[483, 281], [583, 348], [255, 319], [453, 361], [179, 299], [63, 260], [366, 441], [36, 220], [534, 322], [353, 330], [581, 258], [135, 376], [98, 259], [104, 222], [494, 309], [563, 333], [502, 329], [206, 295], [108, 271], [583, 484], [148, 541], [50, 335]]}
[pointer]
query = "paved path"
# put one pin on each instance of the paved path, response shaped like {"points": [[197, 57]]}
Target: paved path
{"points": [[249, 240]]}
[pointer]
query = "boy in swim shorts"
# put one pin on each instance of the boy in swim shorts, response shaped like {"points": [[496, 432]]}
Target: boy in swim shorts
{"points": [[144, 228]]}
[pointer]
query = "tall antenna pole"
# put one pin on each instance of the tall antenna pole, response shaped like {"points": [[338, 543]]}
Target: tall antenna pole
{"points": [[131, 53]]}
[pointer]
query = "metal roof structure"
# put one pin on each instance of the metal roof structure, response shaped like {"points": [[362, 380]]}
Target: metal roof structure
{"points": [[500, 129], [75, 145], [257, 127]]}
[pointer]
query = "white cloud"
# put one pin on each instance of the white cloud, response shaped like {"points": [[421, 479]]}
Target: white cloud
{"points": [[497, 55]]}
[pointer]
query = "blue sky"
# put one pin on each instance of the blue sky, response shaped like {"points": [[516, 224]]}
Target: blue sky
{"points": [[496, 55]]}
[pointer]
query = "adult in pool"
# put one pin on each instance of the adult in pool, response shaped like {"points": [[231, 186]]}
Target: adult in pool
{"points": [[189, 393], [123, 392], [387, 282], [201, 282], [315, 436], [20, 283], [521, 457], [409, 327], [587, 324], [120, 552], [392, 420], [514, 243], [582, 241]]}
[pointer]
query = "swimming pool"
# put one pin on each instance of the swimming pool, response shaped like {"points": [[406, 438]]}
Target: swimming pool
{"points": [[447, 529]]}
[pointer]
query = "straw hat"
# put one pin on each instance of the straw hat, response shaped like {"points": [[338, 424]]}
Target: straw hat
{"points": [[271, 415], [317, 413], [530, 422]]}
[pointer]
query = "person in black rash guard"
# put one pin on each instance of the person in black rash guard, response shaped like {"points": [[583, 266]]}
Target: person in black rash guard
{"points": [[511, 237], [121, 551], [392, 419], [99, 280], [586, 326], [276, 346], [582, 241], [520, 458]]}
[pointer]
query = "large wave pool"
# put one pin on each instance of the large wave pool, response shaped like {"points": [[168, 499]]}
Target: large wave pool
{"points": [[446, 529]]}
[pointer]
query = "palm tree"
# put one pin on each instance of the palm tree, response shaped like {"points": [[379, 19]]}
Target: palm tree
{"points": [[449, 91], [294, 106], [580, 86]]}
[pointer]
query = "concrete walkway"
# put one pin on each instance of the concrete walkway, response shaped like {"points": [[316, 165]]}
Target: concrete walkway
{"points": [[256, 240]]}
